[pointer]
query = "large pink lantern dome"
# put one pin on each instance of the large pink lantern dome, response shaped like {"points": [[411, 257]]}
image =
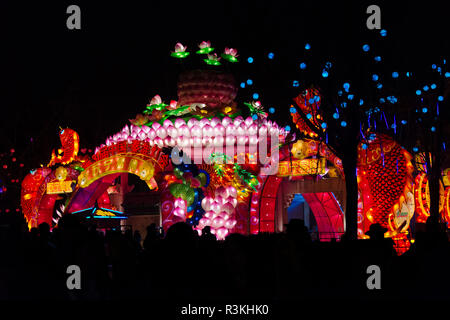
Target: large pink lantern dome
{"points": [[210, 87]]}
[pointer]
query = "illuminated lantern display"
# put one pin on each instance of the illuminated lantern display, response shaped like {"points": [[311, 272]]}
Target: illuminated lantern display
{"points": [[213, 165], [309, 103], [210, 185], [30, 187], [386, 184], [422, 198], [70, 147], [447, 205]]}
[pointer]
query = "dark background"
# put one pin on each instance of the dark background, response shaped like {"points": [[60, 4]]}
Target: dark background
{"points": [[94, 79]]}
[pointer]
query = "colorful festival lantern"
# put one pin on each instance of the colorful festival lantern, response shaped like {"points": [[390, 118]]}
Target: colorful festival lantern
{"points": [[203, 155], [386, 184]]}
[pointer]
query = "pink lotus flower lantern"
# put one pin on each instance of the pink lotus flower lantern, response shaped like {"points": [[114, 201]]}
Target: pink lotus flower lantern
{"points": [[205, 47], [180, 51]]}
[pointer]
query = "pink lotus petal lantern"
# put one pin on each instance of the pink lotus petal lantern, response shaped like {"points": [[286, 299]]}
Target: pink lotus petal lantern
{"points": [[253, 129], [156, 126], [161, 132], [196, 131], [179, 142], [248, 121], [204, 44], [124, 135], [180, 48], [221, 192], [219, 130], [274, 131], [201, 225], [172, 132], [217, 222], [150, 141], [230, 223], [184, 130], [179, 213], [156, 99], [159, 142], [230, 140], [192, 122], [215, 121], [232, 192], [253, 139], [203, 122], [206, 203], [231, 130], [207, 141], [227, 121], [207, 130], [152, 134], [196, 142], [228, 208], [241, 130], [237, 121], [167, 123], [232, 201], [216, 207], [221, 233], [172, 105], [180, 203], [179, 122], [142, 135], [169, 141], [209, 214], [219, 200], [205, 222], [218, 141], [242, 140]]}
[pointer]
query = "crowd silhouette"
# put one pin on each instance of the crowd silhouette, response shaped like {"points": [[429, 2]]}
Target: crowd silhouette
{"points": [[181, 264]]}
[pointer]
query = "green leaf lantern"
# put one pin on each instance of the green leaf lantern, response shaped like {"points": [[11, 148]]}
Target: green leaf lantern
{"points": [[178, 173], [202, 178], [189, 196], [183, 191], [176, 189]]}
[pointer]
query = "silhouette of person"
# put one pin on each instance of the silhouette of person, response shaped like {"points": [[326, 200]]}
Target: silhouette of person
{"points": [[376, 231], [383, 247], [207, 235], [137, 238], [44, 232], [297, 231], [151, 237]]}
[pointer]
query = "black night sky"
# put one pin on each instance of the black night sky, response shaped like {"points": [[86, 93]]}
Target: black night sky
{"points": [[95, 79]]}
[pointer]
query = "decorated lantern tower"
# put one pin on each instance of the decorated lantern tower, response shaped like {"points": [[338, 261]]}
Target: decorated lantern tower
{"points": [[199, 152]]}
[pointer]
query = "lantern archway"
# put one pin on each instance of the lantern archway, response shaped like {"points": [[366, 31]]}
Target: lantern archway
{"points": [[137, 158], [326, 209], [86, 181]]}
